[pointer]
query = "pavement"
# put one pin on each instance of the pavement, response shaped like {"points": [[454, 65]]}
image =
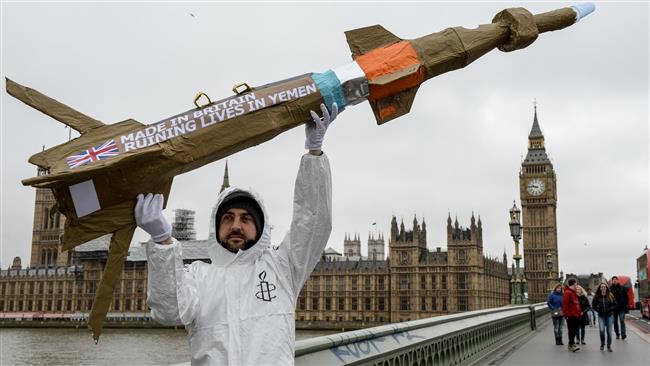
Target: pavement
{"points": [[639, 322], [539, 348]]}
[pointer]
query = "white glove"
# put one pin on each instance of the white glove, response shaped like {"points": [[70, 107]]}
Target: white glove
{"points": [[315, 132], [148, 216]]}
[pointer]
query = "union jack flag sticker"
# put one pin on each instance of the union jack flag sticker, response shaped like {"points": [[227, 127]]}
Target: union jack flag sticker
{"points": [[101, 152]]}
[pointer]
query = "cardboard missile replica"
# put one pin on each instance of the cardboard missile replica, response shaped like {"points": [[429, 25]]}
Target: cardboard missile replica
{"points": [[96, 177]]}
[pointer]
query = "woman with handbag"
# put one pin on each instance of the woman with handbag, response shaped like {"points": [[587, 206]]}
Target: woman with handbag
{"points": [[554, 303], [605, 305]]}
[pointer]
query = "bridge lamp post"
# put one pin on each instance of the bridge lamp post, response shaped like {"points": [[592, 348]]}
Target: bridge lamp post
{"points": [[517, 280], [549, 266]]}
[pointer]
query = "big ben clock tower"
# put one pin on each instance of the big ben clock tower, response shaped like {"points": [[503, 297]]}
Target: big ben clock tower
{"points": [[537, 187]]}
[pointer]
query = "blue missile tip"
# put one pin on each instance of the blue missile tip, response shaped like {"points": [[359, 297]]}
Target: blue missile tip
{"points": [[584, 9]]}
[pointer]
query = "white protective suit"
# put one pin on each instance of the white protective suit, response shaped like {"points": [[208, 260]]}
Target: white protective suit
{"points": [[240, 309]]}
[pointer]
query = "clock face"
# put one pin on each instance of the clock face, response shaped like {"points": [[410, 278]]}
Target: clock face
{"points": [[535, 187]]}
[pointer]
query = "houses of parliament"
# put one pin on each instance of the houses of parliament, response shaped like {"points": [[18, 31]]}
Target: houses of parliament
{"points": [[413, 283], [410, 281]]}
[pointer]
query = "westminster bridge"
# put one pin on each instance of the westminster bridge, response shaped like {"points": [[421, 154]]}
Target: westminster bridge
{"points": [[512, 335]]}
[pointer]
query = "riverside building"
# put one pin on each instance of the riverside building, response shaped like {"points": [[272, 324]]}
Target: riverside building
{"points": [[348, 290]]}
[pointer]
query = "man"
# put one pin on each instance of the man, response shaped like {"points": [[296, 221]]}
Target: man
{"points": [[620, 295], [572, 312], [240, 308]]}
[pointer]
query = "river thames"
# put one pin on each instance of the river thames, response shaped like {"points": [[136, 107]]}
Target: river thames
{"points": [[116, 347]]}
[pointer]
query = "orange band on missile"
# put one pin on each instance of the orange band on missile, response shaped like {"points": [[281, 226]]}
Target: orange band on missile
{"points": [[378, 91], [387, 60], [387, 111], [399, 60]]}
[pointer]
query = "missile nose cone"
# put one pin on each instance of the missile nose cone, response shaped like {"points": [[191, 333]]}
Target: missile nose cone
{"points": [[584, 9]]}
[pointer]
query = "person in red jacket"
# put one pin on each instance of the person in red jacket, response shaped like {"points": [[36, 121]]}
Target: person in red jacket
{"points": [[572, 312]]}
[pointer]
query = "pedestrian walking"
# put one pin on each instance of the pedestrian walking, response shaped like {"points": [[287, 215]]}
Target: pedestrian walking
{"points": [[591, 313], [584, 319], [572, 313], [620, 295], [554, 303], [604, 304]]}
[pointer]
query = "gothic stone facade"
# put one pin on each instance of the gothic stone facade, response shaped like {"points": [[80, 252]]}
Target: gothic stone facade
{"points": [[413, 283], [48, 227], [67, 284], [57, 283], [58, 292], [538, 192]]}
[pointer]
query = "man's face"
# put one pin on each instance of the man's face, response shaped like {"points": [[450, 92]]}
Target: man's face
{"points": [[614, 281], [236, 228]]}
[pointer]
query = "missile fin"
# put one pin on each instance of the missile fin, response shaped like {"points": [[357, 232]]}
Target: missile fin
{"points": [[363, 40], [394, 106], [51, 107]]}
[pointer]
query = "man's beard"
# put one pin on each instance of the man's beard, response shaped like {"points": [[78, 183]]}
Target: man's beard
{"points": [[247, 242]]}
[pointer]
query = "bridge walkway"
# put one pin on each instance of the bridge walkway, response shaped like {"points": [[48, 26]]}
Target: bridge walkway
{"points": [[540, 349]]}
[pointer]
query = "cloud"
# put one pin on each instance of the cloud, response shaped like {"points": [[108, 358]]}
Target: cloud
{"points": [[458, 151]]}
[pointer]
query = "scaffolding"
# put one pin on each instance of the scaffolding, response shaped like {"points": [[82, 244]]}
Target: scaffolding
{"points": [[183, 225]]}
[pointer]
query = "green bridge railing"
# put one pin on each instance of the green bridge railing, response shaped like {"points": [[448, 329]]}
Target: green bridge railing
{"points": [[458, 339]]}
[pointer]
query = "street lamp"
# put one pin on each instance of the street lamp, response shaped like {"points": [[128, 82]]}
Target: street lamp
{"points": [[515, 232], [549, 266], [515, 222]]}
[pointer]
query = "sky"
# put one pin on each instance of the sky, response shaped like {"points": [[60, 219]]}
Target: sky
{"points": [[458, 152]]}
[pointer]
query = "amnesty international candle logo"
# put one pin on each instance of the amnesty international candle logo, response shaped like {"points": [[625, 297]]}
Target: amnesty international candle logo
{"points": [[266, 289]]}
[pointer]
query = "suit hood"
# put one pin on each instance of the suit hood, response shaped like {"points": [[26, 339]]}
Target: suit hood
{"points": [[219, 254]]}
